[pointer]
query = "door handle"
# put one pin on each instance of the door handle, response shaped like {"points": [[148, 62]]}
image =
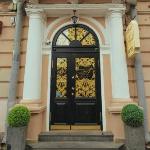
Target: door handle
{"points": [[72, 94], [72, 88], [72, 77]]}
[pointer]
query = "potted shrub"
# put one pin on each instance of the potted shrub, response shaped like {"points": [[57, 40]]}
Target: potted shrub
{"points": [[18, 119], [133, 118]]}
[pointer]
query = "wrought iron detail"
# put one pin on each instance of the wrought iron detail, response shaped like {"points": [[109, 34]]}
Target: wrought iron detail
{"points": [[85, 77], [75, 35], [61, 81]]}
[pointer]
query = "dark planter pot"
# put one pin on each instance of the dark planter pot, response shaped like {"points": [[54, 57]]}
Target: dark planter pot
{"points": [[16, 138], [135, 139]]}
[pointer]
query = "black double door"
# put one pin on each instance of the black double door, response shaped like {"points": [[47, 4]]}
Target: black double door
{"points": [[75, 88]]}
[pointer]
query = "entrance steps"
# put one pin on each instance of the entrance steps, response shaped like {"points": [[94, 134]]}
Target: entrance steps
{"points": [[76, 140], [76, 136]]}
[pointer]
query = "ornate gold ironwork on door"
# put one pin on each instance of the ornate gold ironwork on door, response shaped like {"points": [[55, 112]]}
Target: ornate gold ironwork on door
{"points": [[85, 77], [61, 81], [76, 34]]}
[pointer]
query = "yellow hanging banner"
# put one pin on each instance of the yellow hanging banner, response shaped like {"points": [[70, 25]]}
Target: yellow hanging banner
{"points": [[132, 38]]}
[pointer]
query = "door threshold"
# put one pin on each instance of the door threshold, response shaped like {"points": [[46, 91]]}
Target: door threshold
{"points": [[85, 127], [60, 127], [75, 127]]}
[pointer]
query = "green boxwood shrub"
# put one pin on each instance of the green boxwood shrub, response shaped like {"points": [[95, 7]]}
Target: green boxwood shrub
{"points": [[18, 116], [132, 115]]}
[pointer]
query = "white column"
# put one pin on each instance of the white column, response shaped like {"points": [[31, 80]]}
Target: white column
{"points": [[33, 66], [120, 86]]}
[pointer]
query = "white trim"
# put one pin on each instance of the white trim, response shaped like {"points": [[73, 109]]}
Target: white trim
{"points": [[48, 92], [101, 28], [104, 49], [67, 23], [106, 6], [57, 10], [98, 24], [102, 92]]}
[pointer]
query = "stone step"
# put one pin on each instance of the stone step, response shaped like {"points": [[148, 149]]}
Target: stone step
{"points": [[75, 136], [76, 145]]}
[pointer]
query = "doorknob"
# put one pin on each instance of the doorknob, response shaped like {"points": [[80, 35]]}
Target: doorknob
{"points": [[72, 94], [72, 88], [72, 77]]}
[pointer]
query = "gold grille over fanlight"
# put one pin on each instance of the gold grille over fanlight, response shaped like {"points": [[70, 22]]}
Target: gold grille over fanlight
{"points": [[76, 33]]}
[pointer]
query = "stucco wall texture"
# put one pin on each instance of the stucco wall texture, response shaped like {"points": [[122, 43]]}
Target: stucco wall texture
{"points": [[6, 52]]}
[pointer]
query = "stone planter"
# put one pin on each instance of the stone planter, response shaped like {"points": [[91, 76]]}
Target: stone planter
{"points": [[135, 139], [16, 138]]}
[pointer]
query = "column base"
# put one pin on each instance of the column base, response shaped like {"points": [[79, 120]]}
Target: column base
{"points": [[114, 122], [37, 120], [118, 103], [30, 101], [35, 106]]}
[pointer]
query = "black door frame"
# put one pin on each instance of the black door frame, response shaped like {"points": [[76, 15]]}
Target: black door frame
{"points": [[98, 85], [79, 50]]}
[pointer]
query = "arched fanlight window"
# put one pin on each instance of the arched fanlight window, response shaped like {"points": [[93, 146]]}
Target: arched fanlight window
{"points": [[76, 36]]}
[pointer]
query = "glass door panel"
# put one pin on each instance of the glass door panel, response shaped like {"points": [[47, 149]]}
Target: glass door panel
{"points": [[85, 78], [61, 81]]}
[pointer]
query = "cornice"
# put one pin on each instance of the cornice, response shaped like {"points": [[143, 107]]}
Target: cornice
{"points": [[57, 10]]}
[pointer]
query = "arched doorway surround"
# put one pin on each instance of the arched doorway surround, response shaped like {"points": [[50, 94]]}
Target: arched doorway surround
{"points": [[75, 77], [112, 47]]}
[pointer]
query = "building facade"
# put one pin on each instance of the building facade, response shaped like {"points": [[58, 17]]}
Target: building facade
{"points": [[73, 76]]}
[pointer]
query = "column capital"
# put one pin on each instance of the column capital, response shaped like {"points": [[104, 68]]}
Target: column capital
{"points": [[116, 12], [35, 13]]}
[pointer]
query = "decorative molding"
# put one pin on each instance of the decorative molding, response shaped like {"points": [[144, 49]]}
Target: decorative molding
{"points": [[117, 10], [57, 10], [121, 100], [116, 108], [33, 106], [3, 13], [57, 21], [30, 101], [37, 109], [104, 49], [33, 1], [36, 13], [77, 6]]}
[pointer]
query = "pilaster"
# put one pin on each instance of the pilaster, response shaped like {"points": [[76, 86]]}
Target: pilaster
{"points": [[119, 73], [33, 66]]}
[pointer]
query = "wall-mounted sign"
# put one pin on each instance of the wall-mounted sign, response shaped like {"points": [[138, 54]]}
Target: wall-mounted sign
{"points": [[132, 38], [1, 25]]}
